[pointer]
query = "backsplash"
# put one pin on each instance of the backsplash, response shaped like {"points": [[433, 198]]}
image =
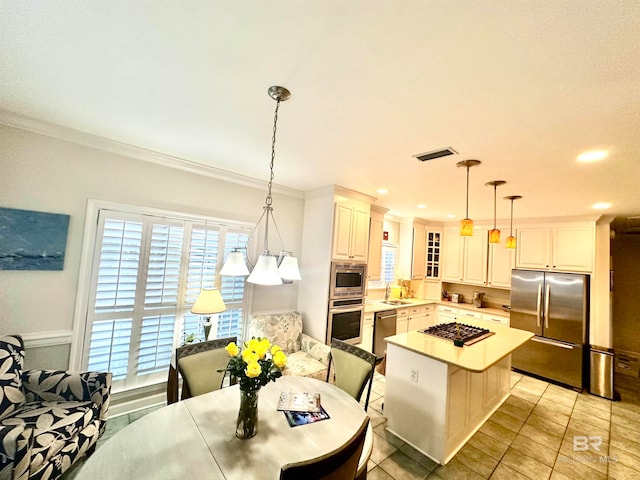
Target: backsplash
{"points": [[493, 297]]}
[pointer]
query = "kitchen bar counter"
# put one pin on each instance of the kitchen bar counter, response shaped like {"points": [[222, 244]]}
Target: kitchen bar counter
{"points": [[438, 395], [476, 358]]}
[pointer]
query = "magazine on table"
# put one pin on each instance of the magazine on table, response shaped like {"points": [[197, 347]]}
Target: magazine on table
{"points": [[302, 418], [299, 402]]}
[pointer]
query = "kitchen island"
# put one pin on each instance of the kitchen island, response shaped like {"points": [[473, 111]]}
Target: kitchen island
{"points": [[438, 395]]}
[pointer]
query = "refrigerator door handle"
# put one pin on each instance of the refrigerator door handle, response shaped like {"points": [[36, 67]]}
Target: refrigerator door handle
{"points": [[538, 304], [552, 342], [546, 307]]}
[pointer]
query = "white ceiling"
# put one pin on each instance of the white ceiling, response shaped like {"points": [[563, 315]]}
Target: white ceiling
{"points": [[523, 86]]}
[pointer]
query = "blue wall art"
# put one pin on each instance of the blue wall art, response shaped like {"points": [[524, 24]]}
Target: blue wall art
{"points": [[32, 240]]}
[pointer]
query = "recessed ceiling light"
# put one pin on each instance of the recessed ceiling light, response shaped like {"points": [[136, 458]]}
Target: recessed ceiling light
{"points": [[592, 156], [601, 205], [382, 191], [451, 215], [421, 205]]}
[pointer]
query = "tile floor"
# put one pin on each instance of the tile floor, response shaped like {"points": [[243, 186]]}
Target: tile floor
{"points": [[531, 436]]}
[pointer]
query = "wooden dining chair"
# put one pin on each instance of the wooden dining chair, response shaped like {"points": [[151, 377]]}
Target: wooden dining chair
{"points": [[199, 365], [340, 464], [353, 369]]}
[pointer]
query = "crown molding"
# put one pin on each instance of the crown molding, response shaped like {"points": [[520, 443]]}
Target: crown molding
{"points": [[60, 132]]}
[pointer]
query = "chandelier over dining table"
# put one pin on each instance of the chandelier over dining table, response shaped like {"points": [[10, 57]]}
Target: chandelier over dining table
{"points": [[268, 269]]}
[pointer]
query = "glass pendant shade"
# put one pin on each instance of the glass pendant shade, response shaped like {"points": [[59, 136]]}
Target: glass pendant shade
{"points": [[288, 268], [511, 240], [466, 224], [209, 301], [466, 227], [494, 233], [265, 272], [235, 265]]}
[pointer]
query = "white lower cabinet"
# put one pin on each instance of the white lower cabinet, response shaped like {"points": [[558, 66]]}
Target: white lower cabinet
{"points": [[402, 321], [462, 314], [448, 314], [416, 317], [495, 319], [367, 332], [448, 402]]}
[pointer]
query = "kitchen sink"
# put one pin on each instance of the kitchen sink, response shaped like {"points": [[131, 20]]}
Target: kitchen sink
{"points": [[396, 302]]}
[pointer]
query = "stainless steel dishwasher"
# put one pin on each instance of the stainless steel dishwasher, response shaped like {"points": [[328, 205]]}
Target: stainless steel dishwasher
{"points": [[384, 325]]}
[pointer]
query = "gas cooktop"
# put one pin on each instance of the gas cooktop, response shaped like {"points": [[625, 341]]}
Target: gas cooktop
{"points": [[452, 331]]}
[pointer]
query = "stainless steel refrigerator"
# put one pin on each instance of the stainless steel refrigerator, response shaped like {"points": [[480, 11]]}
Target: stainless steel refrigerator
{"points": [[555, 307]]}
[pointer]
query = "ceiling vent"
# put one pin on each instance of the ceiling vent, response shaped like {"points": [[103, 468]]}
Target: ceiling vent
{"points": [[443, 152]]}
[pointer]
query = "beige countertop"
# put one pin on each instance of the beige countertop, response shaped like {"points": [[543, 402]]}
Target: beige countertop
{"points": [[372, 306], [476, 358]]}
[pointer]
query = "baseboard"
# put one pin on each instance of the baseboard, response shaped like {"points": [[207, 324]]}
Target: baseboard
{"points": [[125, 406]]}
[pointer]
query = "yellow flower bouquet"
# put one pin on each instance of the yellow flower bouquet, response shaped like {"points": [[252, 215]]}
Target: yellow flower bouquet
{"points": [[257, 364]]}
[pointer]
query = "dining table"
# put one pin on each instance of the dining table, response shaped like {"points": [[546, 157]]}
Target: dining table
{"points": [[195, 438]]}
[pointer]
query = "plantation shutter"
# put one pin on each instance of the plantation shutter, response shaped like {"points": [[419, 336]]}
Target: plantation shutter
{"points": [[148, 272]]}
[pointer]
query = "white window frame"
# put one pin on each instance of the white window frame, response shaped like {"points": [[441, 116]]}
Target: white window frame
{"points": [[81, 327], [375, 284]]}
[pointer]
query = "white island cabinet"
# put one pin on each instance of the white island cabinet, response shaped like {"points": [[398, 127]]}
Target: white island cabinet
{"points": [[438, 395]]}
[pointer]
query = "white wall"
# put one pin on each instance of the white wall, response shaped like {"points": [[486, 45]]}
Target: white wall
{"points": [[42, 173]]}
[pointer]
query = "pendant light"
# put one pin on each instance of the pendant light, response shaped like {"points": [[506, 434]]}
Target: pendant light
{"points": [[494, 234], [268, 269], [466, 225], [511, 240]]}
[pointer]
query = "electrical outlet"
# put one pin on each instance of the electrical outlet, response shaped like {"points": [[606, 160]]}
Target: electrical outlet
{"points": [[414, 375]]}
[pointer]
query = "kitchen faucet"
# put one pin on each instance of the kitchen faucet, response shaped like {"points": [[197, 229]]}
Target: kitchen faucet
{"points": [[387, 292]]}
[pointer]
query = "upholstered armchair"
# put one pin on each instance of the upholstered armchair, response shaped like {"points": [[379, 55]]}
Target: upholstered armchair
{"points": [[48, 418], [307, 356]]}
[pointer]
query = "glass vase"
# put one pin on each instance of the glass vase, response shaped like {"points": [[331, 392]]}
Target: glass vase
{"points": [[247, 424]]}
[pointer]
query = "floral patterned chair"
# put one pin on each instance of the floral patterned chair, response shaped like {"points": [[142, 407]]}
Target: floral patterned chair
{"points": [[307, 357], [48, 418]]}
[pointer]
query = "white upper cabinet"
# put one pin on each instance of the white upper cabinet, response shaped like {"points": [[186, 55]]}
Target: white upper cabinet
{"points": [[376, 226], [350, 232], [501, 262], [418, 255], [464, 259], [567, 247], [418, 265], [475, 257], [452, 253]]}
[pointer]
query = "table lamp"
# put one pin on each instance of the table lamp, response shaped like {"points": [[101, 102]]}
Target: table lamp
{"points": [[209, 301]]}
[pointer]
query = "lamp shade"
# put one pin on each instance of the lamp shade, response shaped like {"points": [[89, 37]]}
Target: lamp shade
{"points": [[466, 227], [288, 268], [235, 265], [265, 272], [494, 236], [209, 301], [511, 242]]}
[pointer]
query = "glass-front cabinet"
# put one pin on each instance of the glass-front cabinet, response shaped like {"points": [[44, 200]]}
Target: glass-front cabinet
{"points": [[433, 255]]}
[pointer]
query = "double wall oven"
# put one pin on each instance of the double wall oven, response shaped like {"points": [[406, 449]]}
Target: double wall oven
{"points": [[346, 302]]}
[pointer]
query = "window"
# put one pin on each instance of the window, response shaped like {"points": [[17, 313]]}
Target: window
{"points": [[388, 263], [388, 266], [147, 273]]}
